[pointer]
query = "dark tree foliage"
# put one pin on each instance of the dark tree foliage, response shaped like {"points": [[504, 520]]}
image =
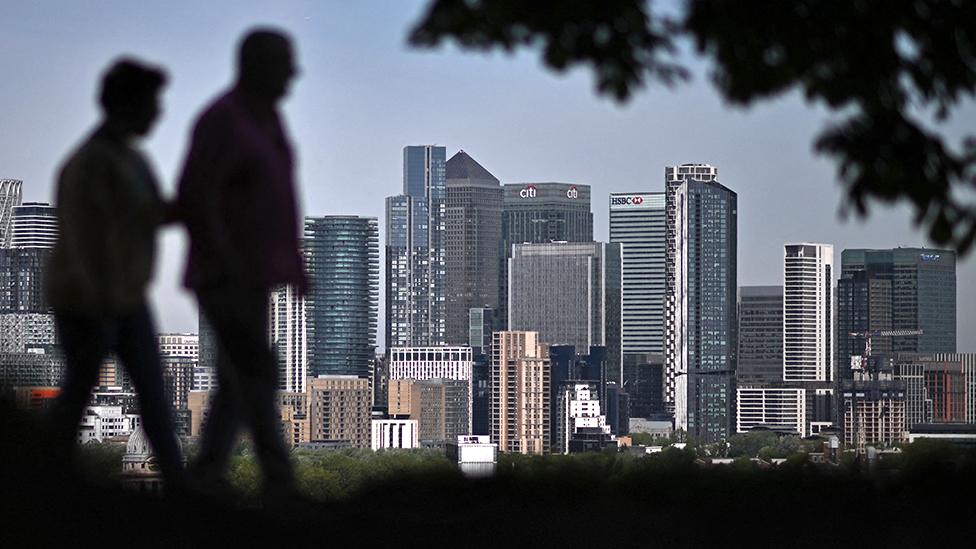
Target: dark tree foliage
{"points": [[882, 65]]}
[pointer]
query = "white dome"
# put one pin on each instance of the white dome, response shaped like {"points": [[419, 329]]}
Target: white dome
{"points": [[138, 444]]}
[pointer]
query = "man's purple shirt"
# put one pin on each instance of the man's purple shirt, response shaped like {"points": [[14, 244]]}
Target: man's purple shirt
{"points": [[237, 198]]}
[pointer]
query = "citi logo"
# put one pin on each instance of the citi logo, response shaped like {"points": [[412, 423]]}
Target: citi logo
{"points": [[572, 192], [529, 191]]}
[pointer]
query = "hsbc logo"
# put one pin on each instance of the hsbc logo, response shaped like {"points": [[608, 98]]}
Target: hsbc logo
{"points": [[626, 200], [529, 191], [572, 192]]}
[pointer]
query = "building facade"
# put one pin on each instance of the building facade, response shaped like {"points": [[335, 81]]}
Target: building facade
{"points": [[637, 223], [570, 294], [760, 335], [342, 260], [674, 177], [288, 336], [473, 244], [538, 213], [394, 434], [424, 363], [339, 410], [808, 312], [520, 401], [779, 408], [701, 315], [11, 194], [416, 293], [580, 422], [34, 225], [440, 406], [900, 289]]}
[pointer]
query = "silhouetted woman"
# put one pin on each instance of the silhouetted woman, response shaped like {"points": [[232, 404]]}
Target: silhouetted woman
{"points": [[108, 211]]}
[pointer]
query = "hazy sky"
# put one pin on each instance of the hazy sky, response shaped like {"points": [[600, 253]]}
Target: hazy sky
{"points": [[363, 95]]}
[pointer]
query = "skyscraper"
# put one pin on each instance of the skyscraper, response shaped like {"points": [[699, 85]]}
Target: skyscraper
{"points": [[415, 254], [570, 294], [900, 289], [520, 405], [342, 258], [760, 358], [473, 242], [10, 196], [34, 225], [538, 213], [637, 222], [674, 177], [288, 327], [808, 312], [701, 322]]}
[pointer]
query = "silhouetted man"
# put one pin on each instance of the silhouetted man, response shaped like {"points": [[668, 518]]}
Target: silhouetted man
{"points": [[237, 198], [108, 212]]}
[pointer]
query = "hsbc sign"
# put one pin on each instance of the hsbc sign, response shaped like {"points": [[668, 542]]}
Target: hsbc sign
{"points": [[636, 200]]}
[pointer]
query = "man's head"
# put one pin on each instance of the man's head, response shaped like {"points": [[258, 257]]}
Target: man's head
{"points": [[266, 64], [130, 95]]}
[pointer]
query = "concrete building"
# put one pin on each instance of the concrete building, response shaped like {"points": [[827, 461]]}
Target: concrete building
{"points": [[900, 289], [473, 243], [295, 426], [580, 423], [422, 363], [570, 294], [760, 357], [416, 293], [873, 410], [22, 280], [342, 259], [34, 225], [779, 408], [808, 312], [21, 331], [476, 455], [637, 222], [394, 434], [339, 410], [182, 345], [936, 390], [37, 366], [11, 194], [198, 403], [440, 406], [99, 423], [520, 405], [205, 374], [700, 323], [288, 336], [538, 213]]}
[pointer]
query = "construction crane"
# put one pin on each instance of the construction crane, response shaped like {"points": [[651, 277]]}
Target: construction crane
{"points": [[858, 362]]}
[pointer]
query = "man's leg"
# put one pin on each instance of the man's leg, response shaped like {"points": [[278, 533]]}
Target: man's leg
{"points": [[240, 319], [224, 415], [85, 343], [138, 352]]}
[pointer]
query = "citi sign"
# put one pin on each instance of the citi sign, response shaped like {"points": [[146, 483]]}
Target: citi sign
{"points": [[572, 192], [529, 191], [626, 200]]}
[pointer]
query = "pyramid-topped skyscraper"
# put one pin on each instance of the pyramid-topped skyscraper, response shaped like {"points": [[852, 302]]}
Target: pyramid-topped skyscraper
{"points": [[473, 236]]}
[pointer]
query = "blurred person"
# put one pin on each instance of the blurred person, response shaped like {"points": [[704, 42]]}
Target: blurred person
{"points": [[237, 198], [109, 209]]}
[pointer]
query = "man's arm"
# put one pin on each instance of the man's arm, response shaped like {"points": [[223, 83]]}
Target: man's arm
{"points": [[209, 166]]}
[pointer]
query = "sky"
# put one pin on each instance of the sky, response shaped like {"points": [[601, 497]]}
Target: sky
{"points": [[363, 95]]}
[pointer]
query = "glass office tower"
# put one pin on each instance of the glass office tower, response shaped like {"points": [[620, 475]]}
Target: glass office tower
{"points": [[415, 252]]}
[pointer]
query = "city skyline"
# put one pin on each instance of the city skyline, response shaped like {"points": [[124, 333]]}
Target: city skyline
{"points": [[785, 192]]}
